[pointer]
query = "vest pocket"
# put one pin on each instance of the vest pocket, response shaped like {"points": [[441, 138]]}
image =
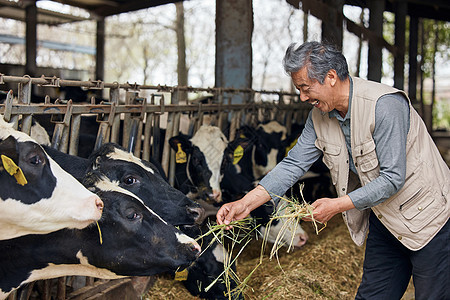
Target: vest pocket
{"points": [[366, 157], [419, 201], [330, 157]]}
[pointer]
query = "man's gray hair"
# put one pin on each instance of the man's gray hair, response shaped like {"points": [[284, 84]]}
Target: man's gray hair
{"points": [[317, 57]]}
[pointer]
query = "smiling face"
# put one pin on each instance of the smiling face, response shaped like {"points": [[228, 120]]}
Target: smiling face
{"points": [[326, 96]]}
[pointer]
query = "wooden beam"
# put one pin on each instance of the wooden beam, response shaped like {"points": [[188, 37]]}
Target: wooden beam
{"points": [[319, 10], [400, 42], [375, 58], [30, 37], [100, 53], [332, 25], [413, 46]]}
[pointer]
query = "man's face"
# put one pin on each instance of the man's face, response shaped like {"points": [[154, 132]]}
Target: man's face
{"points": [[311, 91]]}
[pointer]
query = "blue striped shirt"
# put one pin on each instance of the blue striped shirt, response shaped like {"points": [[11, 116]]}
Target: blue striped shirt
{"points": [[390, 134]]}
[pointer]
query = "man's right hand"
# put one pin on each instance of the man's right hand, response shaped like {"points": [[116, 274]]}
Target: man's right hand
{"points": [[240, 209], [232, 211]]}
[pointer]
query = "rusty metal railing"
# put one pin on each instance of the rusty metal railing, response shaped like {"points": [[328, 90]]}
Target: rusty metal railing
{"points": [[133, 115]]}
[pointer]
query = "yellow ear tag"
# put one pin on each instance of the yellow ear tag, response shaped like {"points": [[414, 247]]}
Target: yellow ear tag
{"points": [[290, 146], [238, 154], [242, 136], [180, 156], [181, 275], [13, 170]]}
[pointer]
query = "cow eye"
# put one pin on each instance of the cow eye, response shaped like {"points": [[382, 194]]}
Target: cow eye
{"points": [[35, 160], [129, 180], [133, 215]]}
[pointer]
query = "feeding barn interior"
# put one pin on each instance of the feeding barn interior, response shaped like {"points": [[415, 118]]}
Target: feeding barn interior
{"points": [[81, 115]]}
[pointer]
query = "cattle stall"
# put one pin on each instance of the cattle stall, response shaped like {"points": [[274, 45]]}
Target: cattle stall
{"points": [[142, 119]]}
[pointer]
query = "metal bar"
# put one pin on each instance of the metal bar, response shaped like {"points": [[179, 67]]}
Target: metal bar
{"points": [[127, 86], [166, 146], [74, 134], [147, 137], [175, 130], [156, 145], [26, 124]]}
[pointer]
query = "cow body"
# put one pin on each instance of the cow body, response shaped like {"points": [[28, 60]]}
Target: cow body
{"points": [[40, 197]]}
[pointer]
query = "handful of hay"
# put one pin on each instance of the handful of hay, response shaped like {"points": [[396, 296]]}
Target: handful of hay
{"points": [[240, 236], [290, 212]]}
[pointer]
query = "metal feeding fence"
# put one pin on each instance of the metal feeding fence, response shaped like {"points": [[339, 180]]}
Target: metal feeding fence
{"points": [[135, 116]]}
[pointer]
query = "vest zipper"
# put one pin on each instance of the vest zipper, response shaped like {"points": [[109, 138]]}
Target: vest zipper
{"points": [[411, 198]]}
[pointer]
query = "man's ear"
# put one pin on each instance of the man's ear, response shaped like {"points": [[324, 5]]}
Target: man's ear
{"points": [[332, 77]]}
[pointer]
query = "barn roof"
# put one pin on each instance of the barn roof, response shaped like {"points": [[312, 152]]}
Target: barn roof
{"points": [[431, 9], [11, 9]]}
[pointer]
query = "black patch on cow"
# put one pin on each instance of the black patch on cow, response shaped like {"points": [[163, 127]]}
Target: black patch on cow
{"points": [[33, 161]]}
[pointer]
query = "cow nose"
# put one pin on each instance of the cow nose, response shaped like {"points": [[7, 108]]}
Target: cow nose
{"points": [[216, 196], [99, 204], [195, 247], [302, 239], [198, 213]]}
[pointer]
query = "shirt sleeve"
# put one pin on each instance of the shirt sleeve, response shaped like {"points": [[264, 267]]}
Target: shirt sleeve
{"points": [[390, 135], [298, 161]]}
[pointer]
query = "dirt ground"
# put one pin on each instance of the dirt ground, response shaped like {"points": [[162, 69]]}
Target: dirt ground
{"points": [[329, 266]]}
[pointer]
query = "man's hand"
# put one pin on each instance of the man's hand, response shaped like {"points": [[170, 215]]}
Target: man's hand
{"points": [[326, 208], [240, 209], [232, 211]]}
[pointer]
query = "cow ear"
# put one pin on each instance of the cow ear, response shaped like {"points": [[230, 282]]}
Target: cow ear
{"points": [[9, 148], [182, 141], [245, 143]]}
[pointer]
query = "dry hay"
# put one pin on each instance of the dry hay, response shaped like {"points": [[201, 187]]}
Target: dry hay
{"points": [[329, 266]]}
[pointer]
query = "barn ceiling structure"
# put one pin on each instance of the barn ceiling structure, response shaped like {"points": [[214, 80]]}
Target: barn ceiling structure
{"points": [[234, 26]]}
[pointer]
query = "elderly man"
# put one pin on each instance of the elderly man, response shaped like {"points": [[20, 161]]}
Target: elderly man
{"points": [[389, 176]]}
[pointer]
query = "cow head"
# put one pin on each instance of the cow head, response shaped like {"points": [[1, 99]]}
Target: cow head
{"points": [[139, 241], [238, 176], [143, 179], [267, 145], [36, 195], [199, 161], [293, 234], [208, 267]]}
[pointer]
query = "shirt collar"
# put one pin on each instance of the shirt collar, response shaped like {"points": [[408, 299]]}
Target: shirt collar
{"points": [[335, 114]]}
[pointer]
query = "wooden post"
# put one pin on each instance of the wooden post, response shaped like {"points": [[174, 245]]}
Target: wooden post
{"points": [[400, 42], [376, 8]]}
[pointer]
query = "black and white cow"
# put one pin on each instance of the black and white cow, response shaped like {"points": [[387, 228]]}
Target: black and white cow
{"points": [[130, 240], [199, 162], [267, 139], [142, 178], [36, 195], [205, 277]]}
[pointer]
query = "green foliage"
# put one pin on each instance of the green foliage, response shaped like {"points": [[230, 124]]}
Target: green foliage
{"points": [[441, 114]]}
